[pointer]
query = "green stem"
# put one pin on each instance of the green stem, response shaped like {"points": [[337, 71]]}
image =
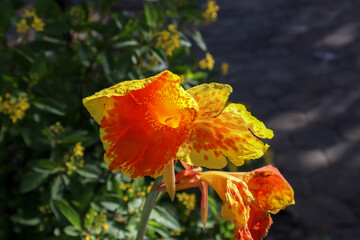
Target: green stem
{"points": [[149, 205]]}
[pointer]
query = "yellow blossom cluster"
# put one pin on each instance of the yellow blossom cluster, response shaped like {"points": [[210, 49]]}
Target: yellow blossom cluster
{"points": [[210, 14], [93, 220], [76, 160], [133, 191], [15, 110], [224, 68], [175, 232], [56, 129], [78, 150], [208, 62], [168, 40], [29, 21], [188, 200]]}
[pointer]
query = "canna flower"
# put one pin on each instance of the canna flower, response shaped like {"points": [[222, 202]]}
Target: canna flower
{"points": [[249, 198], [143, 123]]}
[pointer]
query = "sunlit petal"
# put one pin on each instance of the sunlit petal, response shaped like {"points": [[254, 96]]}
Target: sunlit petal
{"points": [[229, 136]]}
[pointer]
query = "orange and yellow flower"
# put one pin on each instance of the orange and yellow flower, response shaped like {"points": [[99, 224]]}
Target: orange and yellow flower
{"points": [[249, 198], [145, 124]]}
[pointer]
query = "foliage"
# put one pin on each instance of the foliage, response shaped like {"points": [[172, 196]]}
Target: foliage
{"points": [[54, 184]]}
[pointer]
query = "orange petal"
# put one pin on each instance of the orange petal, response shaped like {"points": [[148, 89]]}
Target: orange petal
{"points": [[204, 203], [259, 222], [143, 123], [211, 98], [229, 136], [169, 179], [271, 190]]}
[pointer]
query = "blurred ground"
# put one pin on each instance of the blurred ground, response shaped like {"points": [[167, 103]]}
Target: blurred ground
{"points": [[296, 64]]}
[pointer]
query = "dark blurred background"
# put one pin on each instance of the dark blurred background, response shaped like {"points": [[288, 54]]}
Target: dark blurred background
{"points": [[295, 64]]}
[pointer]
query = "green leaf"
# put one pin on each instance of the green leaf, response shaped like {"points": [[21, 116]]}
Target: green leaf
{"points": [[77, 136], [125, 44], [57, 188], [213, 206], [89, 172], [107, 65], [6, 12], [151, 14], [196, 35], [46, 166], [32, 221], [156, 227], [39, 66], [71, 231], [163, 217], [31, 180], [69, 213], [48, 108]]}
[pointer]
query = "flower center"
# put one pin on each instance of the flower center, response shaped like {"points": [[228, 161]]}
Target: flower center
{"points": [[166, 114]]}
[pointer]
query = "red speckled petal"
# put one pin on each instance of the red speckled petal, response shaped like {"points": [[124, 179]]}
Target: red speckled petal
{"points": [[213, 141], [271, 189]]}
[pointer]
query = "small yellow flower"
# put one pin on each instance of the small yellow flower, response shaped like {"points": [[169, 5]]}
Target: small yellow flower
{"points": [[28, 14], [224, 68], [87, 237], [123, 186], [169, 40], [188, 200], [15, 110], [56, 129], [22, 26], [105, 227], [208, 62], [78, 150], [126, 198], [38, 24], [29, 21], [210, 14]]}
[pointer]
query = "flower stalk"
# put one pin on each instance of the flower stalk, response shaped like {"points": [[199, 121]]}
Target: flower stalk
{"points": [[149, 205]]}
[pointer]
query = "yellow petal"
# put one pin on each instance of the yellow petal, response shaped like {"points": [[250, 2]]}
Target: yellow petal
{"points": [[236, 205], [239, 113], [211, 98], [229, 136]]}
